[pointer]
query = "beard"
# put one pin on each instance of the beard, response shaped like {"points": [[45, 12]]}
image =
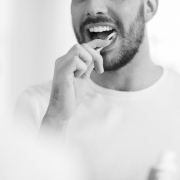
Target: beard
{"points": [[127, 43]]}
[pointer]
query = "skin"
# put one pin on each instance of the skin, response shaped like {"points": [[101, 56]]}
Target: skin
{"points": [[70, 84], [74, 68], [140, 73]]}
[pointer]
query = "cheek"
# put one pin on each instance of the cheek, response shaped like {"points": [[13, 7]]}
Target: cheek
{"points": [[126, 13], [76, 16], [112, 55]]}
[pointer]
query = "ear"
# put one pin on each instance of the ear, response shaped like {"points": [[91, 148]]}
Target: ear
{"points": [[151, 7]]}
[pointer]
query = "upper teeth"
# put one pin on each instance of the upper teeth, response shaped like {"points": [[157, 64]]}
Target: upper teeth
{"points": [[100, 29]]}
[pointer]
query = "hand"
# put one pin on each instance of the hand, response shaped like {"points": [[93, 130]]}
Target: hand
{"points": [[70, 80]]}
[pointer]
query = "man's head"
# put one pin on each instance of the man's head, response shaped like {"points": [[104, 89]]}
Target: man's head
{"points": [[94, 19]]}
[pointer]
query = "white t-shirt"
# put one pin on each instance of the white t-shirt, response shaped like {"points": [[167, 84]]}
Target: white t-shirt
{"points": [[119, 134]]}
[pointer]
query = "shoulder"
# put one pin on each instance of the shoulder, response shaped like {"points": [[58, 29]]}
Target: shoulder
{"points": [[173, 73], [37, 92], [173, 77], [35, 97], [32, 105], [171, 87], [40, 89]]}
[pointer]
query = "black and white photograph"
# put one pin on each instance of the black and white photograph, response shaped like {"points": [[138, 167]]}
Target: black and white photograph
{"points": [[90, 90]]}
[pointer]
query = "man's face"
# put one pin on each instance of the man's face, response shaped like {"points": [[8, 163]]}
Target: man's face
{"points": [[96, 19]]}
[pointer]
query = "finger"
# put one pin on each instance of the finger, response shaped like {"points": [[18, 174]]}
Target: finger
{"points": [[89, 70], [81, 67], [80, 52], [97, 58]]}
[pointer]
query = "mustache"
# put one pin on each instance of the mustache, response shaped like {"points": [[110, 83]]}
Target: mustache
{"points": [[98, 19]]}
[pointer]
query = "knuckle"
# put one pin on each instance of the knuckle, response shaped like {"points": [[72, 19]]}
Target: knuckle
{"points": [[77, 47], [75, 59], [60, 61], [85, 45], [57, 63]]}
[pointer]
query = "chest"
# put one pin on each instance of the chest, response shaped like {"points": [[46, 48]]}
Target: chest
{"points": [[123, 140]]}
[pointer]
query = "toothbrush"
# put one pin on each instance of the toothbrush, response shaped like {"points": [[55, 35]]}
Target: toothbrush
{"points": [[108, 38]]}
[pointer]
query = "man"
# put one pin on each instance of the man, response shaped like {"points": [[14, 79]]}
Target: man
{"points": [[117, 107]]}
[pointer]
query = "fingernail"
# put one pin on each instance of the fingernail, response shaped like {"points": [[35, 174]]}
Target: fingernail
{"points": [[102, 70]]}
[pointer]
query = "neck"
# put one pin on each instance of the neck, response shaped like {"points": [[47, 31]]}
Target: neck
{"points": [[139, 74]]}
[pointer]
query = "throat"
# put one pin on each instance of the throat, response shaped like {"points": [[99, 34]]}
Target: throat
{"points": [[126, 81]]}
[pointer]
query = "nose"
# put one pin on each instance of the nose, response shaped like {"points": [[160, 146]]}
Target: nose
{"points": [[96, 7]]}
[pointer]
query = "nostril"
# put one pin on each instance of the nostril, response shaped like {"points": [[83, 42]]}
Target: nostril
{"points": [[96, 9], [98, 13]]}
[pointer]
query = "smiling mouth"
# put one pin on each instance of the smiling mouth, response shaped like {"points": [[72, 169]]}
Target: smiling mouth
{"points": [[99, 32]]}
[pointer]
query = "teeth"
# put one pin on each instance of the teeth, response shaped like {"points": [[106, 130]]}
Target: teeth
{"points": [[95, 29], [91, 29], [100, 29]]}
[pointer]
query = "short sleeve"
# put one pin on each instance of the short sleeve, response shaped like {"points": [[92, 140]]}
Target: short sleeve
{"points": [[31, 108]]}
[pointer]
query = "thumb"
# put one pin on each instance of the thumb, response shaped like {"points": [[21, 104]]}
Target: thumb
{"points": [[89, 70]]}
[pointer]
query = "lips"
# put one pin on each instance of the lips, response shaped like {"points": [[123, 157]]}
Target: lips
{"points": [[100, 31], [96, 31]]}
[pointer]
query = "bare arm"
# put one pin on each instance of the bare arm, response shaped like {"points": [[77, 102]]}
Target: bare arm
{"points": [[70, 84]]}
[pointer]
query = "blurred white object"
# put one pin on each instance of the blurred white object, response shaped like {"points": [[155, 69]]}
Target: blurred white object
{"points": [[165, 167], [24, 159]]}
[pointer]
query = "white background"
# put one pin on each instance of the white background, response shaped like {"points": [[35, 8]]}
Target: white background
{"points": [[34, 33]]}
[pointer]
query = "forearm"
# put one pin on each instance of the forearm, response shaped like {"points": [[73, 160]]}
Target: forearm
{"points": [[54, 125]]}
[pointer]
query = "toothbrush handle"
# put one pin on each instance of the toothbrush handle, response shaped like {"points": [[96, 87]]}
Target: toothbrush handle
{"points": [[108, 38], [98, 49]]}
